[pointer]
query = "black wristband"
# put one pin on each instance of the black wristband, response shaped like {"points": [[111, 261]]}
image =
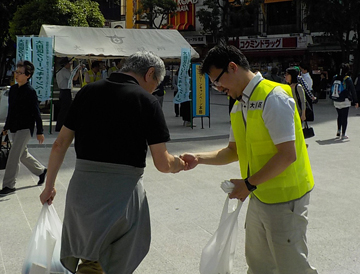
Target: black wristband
{"points": [[249, 186]]}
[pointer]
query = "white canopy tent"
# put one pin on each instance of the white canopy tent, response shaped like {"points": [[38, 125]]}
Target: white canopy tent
{"points": [[95, 43]]}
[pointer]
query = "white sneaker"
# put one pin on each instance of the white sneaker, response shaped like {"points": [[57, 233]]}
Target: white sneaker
{"points": [[344, 137]]}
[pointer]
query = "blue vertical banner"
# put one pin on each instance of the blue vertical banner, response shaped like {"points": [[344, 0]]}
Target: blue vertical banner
{"points": [[183, 77], [23, 49], [200, 93], [43, 62]]}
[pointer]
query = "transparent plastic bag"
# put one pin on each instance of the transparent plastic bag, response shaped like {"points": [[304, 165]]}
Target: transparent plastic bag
{"points": [[218, 255], [43, 253]]}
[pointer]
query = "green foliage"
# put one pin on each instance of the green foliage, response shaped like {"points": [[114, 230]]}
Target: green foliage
{"points": [[29, 17], [209, 18], [337, 18], [151, 9]]}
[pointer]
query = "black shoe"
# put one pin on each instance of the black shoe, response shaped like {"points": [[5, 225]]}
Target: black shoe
{"points": [[7, 190], [42, 177]]}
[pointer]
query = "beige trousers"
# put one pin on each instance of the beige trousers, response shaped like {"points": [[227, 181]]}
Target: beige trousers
{"points": [[275, 241]]}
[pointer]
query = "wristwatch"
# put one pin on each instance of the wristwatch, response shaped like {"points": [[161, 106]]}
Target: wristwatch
{"points": [[249, 186]]}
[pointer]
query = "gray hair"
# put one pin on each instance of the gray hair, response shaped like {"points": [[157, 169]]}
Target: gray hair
{"points": [[140, 62]]}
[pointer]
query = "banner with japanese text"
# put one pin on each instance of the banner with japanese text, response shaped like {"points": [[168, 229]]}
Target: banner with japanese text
{"points": [[183, 77], [200, 93], [43, 62], [23, 49]]}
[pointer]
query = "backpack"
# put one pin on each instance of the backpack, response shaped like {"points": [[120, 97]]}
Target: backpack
{"points": [[338, 92]]}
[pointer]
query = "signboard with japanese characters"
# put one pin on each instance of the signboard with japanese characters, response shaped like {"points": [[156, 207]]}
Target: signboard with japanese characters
{"points": [[258, 44], [183, 77], [196, 39], [200, 93], [43, 62], [23, 49]]}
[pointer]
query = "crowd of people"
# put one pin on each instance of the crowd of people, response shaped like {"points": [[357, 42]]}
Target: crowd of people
{"points": [[106, 226]]}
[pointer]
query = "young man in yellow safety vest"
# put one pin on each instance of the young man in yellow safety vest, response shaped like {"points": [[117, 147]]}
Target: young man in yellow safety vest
{"points": [[93, 74], [266, 138]]}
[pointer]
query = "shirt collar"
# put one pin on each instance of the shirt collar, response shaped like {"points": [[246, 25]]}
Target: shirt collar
{"points": [[121, 78], [251, 86]]}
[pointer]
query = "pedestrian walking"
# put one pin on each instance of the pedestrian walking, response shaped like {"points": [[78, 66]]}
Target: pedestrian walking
{"points": [[266, 138], [107, 223], [343, 93], [23, 113]]}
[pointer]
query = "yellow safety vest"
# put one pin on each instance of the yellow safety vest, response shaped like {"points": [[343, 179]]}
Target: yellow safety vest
{"points": [[255, 148], [92, 77]]}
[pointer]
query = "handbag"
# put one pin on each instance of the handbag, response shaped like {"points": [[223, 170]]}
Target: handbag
{"points": [[308, 131], [43, 253], [218, 255], [309, 113], [4, 151]]}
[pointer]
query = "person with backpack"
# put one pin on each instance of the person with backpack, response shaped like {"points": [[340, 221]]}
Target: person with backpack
{"points": [[343, 93]]}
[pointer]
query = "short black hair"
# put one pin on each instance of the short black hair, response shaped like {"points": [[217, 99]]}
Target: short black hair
{"points": [[305, 66], [95, 64], [294, 73], [221, 56], [28, 66]]}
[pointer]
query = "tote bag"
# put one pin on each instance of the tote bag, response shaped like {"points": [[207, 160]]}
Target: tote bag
{"points": [[43, 253], [218, 255], [5, 147]]}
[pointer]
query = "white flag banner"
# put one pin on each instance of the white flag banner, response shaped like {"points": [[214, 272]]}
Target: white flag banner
{"points": [[23, 49], [43, 62], [183, 77]]}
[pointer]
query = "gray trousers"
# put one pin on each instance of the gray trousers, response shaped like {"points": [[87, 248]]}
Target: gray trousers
{"points": [[19, 153]]}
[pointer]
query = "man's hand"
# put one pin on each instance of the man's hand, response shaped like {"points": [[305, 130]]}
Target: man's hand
{"points": [[48, 195], [40, 138], [240, 190], [191, 160]]}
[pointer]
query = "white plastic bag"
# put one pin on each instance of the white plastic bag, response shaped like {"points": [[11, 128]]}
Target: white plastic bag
{"points": [[43, 253], [218, 255]]}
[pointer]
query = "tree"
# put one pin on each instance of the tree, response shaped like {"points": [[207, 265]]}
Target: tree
{"points": [[26, 17], [209, 19], [227, 17], [29, 17], [337, 18], [150, 10], [7, 10]]}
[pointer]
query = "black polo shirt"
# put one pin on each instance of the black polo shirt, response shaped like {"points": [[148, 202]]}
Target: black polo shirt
{"points": [[115, 120], [23, 110]]}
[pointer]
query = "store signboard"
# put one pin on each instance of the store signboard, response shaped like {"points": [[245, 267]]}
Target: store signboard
{"points": [[196, 39], [264, 43]]}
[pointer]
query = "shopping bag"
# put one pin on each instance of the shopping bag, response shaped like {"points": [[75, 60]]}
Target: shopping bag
{"points": [[5, 147], [218, 255], [43, 253], [308, 131]]}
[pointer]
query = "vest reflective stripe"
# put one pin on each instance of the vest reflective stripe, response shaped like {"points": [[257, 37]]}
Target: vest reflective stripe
{"points": [[92, 77], [255, 148]]}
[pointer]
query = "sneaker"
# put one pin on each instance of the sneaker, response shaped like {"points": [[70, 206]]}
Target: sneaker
{"points": [[344, 137], [7, 190], [338, 133], [42, 177]]}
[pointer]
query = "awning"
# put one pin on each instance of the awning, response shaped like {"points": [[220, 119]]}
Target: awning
{"points": [[86, 42]]}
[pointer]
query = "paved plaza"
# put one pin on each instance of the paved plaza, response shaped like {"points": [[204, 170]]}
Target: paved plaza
{"points": [[185, 208]]}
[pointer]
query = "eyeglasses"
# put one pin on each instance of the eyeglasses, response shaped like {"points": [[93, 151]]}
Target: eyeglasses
{"points": [[19, 72], [216, 82]]}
